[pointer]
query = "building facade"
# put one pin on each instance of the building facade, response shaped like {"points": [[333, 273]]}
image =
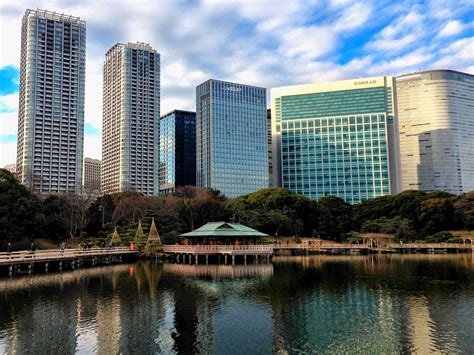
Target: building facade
{"points": [[131, 112], [177, 150], [436, 117], [231, 137], [338, 138], [270, 148], [91, 175], [51, 105]]}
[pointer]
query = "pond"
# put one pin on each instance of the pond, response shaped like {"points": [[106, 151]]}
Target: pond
{"points": [[314, 304]]}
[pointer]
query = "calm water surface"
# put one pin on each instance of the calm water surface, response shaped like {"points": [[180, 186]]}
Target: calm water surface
{"points": [[316, 304]]}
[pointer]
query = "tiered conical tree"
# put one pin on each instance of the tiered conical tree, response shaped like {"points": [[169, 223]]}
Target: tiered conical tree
{"points": [[115, 237], [153, 244], [139, 236]]}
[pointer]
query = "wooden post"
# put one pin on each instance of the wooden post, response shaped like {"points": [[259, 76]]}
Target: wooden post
{"points": [[245, 259], [196, 257], [61, 265], [30, 268], [10, 270], [225, 259], [177, 257], [233, 259], [207, 259]]}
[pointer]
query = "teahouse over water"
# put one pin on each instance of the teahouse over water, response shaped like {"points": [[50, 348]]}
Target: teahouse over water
{"points": [[223, 233]]}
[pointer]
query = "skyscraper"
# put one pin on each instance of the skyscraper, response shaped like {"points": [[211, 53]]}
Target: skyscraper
{"points": [[436, 116], [177, 150], [91, 175], [338, 138], [131, 114], [231, 137], [51, 105], [270, 148]]}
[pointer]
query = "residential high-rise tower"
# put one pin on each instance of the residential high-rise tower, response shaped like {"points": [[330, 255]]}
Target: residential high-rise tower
{"points": [[338, 138], [91, 175], [231, 137], [51, 105], [436, 116], [131, 119], [177, 150]]}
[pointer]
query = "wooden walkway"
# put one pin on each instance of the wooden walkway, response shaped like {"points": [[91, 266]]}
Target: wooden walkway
{"points": [[391, 248], [58, 258]]}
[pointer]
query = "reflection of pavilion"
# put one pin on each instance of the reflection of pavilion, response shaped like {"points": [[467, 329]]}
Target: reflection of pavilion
{"points": [[220, 271]]}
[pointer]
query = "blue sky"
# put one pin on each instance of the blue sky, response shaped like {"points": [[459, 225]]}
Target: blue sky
{"points": [[266, 43]]}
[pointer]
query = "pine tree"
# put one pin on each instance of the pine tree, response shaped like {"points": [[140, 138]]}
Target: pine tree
{"points": [[153, 244], [116, 237]]}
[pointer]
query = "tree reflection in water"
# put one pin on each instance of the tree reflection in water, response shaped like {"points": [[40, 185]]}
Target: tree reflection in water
{"points": [[357, 304]]}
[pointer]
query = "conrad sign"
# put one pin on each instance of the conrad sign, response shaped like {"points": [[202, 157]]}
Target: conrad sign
{"points": [[365, 82]]}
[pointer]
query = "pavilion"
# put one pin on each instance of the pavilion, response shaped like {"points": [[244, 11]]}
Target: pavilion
{"points": [[223, 233]]}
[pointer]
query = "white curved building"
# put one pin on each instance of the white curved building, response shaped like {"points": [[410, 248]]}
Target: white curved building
{"points": [[436, 124]]}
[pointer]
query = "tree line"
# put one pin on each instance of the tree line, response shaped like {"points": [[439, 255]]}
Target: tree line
{"points": [[409, 216]]}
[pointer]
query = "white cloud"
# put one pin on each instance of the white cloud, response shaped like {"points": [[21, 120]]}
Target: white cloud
{"points": [[308, 42], [353, 17], [452, 28], [266, 43], [7, 153]]}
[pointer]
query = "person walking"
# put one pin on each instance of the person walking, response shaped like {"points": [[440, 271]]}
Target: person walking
{"points": [[9, 249], [132, 246]]}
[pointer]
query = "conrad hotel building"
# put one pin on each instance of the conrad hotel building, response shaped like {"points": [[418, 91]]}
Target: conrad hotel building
{"points": [[338, 138]]}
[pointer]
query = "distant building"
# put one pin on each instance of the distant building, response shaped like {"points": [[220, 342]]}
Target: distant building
{"points": [[11, 168], [436, 118], [51, 108], [91, 175], [131, 111], [270, 148], [231, 135], [177, 150], [338, 138]]}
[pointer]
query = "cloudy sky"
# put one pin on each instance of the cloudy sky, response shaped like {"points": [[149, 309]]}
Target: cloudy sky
{"points": [[265, 43]]}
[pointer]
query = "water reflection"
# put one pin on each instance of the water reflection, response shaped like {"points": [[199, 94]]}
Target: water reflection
{"points": [[357, 304]]}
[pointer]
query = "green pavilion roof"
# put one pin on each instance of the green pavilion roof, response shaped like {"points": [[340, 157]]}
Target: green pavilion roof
{"points": [[224, 229]]}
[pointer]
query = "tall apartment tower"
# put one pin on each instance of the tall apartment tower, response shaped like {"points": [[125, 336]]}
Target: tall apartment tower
{"points": [[131, 119], [51, 106], [177, 150], [436, 115], [91, 175], [231, 137], [338, 138]]}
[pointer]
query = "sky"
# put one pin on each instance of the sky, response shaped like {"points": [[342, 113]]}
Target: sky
{"points": [[265, 43]]}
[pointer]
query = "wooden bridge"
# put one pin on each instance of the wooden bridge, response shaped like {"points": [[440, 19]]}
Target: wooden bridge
{"points": [[366, 249], [19, 261], [186, 253]]}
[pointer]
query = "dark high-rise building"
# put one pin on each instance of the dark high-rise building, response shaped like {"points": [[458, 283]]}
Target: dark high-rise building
{"points": [[177, 150], [51, 106]]}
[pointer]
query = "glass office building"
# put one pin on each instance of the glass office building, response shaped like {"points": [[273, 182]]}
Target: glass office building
{"points": [[51, 106], [177, 150], [131, 125], [436, 115], [338, 138], [231, 137]]}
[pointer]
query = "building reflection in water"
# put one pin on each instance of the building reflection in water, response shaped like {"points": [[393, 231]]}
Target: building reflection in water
{"points": [[416, 304]]}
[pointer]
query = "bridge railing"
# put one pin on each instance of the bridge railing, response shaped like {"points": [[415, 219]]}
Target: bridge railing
{"points": [[52, 254], [431, 245], [214, 248]]}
